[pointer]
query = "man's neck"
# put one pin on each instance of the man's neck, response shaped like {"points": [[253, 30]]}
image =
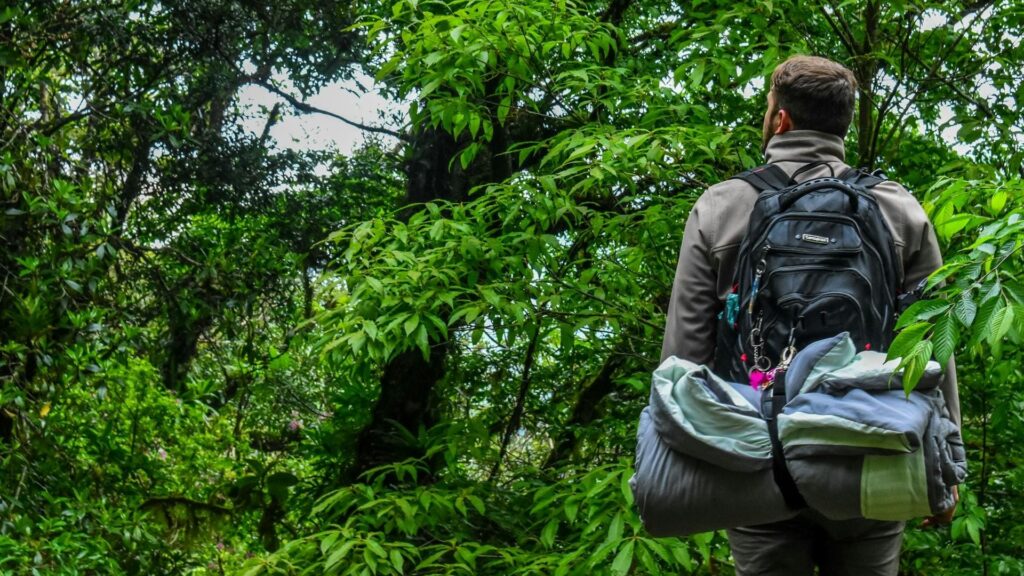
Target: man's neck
{"points": [[805, 146]]}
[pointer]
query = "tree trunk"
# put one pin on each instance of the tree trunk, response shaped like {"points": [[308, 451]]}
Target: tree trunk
{"points": [[406, 403], [865, 72], [182, 344], [585, 411], [408, 381]]}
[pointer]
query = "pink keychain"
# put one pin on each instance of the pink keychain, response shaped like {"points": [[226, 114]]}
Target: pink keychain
{"points": [[759, 379]]}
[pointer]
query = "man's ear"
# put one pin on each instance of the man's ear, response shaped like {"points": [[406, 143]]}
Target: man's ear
{"points": [[783, 123]]}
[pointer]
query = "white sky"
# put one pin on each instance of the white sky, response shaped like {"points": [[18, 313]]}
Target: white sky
{"points": [[318, 131]]}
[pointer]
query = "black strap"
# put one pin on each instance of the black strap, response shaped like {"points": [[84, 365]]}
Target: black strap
{"points": [[813, 165], [862, 177], [771, 177], [766, 177], [776, 397]]}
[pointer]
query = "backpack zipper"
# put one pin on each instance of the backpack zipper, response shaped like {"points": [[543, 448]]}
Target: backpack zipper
{"points": [[830, 218], [758, 272]]}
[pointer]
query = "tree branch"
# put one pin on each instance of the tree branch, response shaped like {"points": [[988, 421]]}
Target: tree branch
{"points": [[615, 11], [933, 75], [660, 32], [520, 407], [585, 411], [309, 109], [272, 118], [846, 40]]}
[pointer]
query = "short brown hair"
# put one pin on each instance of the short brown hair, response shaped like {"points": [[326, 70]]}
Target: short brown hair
{"points": [[817, 93]]}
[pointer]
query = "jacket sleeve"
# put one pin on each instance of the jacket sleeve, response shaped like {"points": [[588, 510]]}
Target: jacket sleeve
{"points": [[922, 257], [690, 326]]}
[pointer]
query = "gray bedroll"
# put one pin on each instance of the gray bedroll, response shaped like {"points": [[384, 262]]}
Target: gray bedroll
{"points": [[679, 495], [856, 445]]}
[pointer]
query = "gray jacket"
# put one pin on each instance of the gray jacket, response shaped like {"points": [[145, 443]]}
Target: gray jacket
{"points": [[718, 221]]}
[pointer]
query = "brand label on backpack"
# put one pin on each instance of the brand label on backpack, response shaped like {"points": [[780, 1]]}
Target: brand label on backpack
{"points": [[814, 239]]}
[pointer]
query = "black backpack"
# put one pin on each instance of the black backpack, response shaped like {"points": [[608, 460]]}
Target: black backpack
{"points": [[818, 259]]}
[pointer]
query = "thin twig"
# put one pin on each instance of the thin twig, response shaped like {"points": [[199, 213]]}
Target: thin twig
{"points": [[520, 407], [310, 109]]}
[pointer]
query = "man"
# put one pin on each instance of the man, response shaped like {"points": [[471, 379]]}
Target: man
{"points": [[810, 107]]}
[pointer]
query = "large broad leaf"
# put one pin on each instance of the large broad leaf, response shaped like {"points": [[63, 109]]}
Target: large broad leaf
{"points": [[914, 363], [1000, 323], [623, 560], [922, 310], [964, 310], [907, 339], [982, 322], [945, 338]]}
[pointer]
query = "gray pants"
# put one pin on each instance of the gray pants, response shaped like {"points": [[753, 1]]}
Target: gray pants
{"points": [[839, 548]]}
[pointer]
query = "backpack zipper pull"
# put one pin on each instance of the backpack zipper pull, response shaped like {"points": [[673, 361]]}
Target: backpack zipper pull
{"points": [[758, 272]]}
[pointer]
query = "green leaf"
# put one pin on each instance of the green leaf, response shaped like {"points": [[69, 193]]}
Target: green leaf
{"points": [[8, 13], [920, 311], [682, 556], [1001, 322], [339, 554], [964, 310], [914, 364], [643, 554], [952, 225], [991, 290], [328, 542], [398, 561], [623, 560], [430, 87], [939, 276], [980, 326], [371, 563], [627, 491], [907, 339], [616, 528], [255, 570], [660, 549], [572, 508], [357, 340], [566, 337], [547, 535], [491, 297], [411, 324], [468, 154], [945, 337], [956, 531], [423, 341], [697, 76], [281, 362], [370, 327], [503, 108], [703, 541], [477, 503], [973, 530], [376, 548]]}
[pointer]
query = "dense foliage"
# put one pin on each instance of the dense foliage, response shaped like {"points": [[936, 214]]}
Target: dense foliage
{"points": [[427, 356]]}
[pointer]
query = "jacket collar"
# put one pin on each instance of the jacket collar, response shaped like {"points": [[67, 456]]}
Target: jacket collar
{"points": [[805, 146]]}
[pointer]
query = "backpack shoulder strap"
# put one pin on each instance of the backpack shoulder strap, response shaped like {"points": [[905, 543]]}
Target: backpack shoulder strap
{"points": [[765, 177], [862, 177]]}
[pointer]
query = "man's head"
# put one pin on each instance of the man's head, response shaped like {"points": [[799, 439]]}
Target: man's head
{"points": [[810, 93]]}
